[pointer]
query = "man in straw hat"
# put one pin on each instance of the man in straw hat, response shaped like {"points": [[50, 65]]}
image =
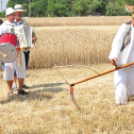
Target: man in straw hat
{"points": [[9, 67], [123, 53], [19, 21]]}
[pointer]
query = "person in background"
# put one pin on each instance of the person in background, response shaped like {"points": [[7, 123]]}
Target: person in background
{"points": [[9, 67], [1, 21], [19, 21], [2, 64]]}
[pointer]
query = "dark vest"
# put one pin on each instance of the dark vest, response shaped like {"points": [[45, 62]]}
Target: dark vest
{"points": [[127, 37]]}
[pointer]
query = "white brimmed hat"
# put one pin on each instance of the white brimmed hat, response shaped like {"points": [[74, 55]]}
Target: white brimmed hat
{"points": [[18, 8], [9, 11]]}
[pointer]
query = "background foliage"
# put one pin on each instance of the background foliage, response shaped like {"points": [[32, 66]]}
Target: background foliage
{"points": [[60, 8]]}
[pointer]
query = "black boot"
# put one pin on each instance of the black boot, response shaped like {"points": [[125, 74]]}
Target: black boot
{"points": [[22, 92]]}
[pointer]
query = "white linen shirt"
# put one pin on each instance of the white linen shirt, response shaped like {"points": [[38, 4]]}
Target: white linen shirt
{"points": [[5, 26], [127, 54]]}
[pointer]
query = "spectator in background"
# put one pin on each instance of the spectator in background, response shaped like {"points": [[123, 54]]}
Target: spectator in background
{"points": [[1, 21], [19, 21], [9, 67], [2, 64]]}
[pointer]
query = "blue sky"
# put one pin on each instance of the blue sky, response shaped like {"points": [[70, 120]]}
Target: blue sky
{"points": [[3, 4]]}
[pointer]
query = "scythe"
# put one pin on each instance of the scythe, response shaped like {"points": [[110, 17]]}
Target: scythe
{"points": [[89, 78]]}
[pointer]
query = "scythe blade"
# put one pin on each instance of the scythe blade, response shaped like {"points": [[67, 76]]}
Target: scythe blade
{"points": [[72, 97]]}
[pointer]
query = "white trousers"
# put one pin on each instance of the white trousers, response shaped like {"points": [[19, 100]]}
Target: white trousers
{"points": [[124, 84], [11, 67]]}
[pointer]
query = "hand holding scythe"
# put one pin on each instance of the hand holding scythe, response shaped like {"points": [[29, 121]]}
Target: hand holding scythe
{"points": [[113, 61]]}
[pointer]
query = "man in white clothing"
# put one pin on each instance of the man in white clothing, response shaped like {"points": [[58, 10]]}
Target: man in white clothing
{"points": [[9, 67], [123, 53], [18, 22]]}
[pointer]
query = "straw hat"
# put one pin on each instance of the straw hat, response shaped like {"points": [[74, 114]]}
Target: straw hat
{"points": [[9, 11], [18, 8]]}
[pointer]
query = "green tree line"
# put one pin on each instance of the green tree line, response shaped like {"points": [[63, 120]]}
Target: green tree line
{"points": [[60, 8]]}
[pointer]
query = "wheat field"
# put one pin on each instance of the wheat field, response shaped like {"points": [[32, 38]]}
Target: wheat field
{"points": [[48, 109], [77, 21], [72, 45], [73, 40]]}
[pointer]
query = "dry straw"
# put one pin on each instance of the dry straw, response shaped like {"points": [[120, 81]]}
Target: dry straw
{"points": [[49, 109]]}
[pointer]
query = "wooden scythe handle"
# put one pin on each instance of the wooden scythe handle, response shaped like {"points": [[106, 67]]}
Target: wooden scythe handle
{"points": [[101, 74]]}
